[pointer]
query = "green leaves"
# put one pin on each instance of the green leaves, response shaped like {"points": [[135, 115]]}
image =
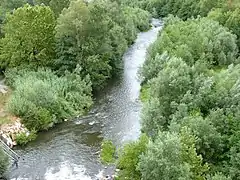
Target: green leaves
{"points": [[129, 157], [42, 99], [172, 156], [95, 36], [107, 152], [29, 38]]}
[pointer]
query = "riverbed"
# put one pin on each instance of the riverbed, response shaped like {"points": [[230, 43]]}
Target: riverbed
{"points": [[70, 150]]}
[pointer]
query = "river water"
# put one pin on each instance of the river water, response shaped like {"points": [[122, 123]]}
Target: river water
{"points": [[69, 150]]}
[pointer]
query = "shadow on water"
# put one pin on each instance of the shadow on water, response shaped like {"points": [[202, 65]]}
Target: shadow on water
{"points": [[69, 151]]}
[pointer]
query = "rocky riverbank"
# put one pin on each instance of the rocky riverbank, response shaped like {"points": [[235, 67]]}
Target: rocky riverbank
{"points": [[10, 125]]}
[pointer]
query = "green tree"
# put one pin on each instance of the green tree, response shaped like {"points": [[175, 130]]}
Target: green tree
{"points": [[170, 85], [56, 5], [172, 156], [82, 39], [29, 38]]}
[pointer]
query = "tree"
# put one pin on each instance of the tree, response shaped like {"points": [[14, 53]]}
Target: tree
{"points": [[56, 5], [29, 38], [12, 4], [172, 156], [170, 85]]}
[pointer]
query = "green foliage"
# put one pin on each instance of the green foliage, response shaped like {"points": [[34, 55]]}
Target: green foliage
{"points": [[144, 94], [129, 157], [56, 5], [42, 99], [219, 176], [168, 87], [107, 152], [230, 19], [193, 97], [29, 37], [4, 163], [23, 138], [193, 40], [182, 8], [95, 36], [172, 156]]}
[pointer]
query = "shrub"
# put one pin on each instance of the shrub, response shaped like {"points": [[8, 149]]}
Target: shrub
{"points": [[107, 152], [42, 99], [129, 157], [229, 19], [24, 138]]}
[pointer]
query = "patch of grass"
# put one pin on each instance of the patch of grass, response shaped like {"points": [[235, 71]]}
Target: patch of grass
{"points": [[144, 93], [107, 152]]}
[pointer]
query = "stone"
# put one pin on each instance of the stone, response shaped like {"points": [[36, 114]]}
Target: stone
{"points": [[92, 123]]}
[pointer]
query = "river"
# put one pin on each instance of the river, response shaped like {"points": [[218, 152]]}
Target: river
{"points": [[69, 150]]}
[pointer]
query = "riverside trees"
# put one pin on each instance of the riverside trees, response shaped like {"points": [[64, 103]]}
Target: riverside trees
{"points": [[192, 111], [83, 45], [56, 53]]}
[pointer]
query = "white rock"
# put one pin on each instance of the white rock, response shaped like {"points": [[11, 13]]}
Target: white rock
{"points": [[92, 123]]}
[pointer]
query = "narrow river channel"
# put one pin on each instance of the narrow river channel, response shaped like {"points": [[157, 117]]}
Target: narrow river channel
{"points": [[69, 151]]}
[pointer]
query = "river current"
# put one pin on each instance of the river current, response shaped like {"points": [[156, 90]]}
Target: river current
{"points": [[69, 150]]}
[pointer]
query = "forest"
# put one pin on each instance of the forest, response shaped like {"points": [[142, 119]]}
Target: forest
{"points": [[55, 54]]}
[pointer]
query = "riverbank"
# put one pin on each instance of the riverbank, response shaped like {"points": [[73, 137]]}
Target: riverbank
{"points": [[10, 126], [70, 150]]}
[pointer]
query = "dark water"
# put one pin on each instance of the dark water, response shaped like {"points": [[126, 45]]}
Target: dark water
{"points": [[68, 152]]}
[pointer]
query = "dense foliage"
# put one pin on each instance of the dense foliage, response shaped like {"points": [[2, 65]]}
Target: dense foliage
{"points": [[56, 5], [190, 91], [29, 38], [230, 19], [42, 98], [95, 38], [108, 151], [209, 44], [55, 53]]}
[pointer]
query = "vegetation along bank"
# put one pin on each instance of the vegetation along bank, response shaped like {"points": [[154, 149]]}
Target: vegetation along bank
{"points": [[55, 54], [190, 118]]}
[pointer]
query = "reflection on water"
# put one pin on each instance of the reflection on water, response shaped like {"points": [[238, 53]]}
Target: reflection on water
{"points": [[69, 151]]}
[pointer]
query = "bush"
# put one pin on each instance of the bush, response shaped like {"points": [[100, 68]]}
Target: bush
{"points": [[107, 152], [24, 138], [229, 19], [42, 99], [129, 157]]}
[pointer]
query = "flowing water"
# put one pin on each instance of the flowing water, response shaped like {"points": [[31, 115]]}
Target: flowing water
{"points": [[69, 151]]}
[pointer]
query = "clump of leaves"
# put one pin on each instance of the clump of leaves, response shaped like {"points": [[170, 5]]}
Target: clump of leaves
{"points": [[23, 138], [107, 152]]}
